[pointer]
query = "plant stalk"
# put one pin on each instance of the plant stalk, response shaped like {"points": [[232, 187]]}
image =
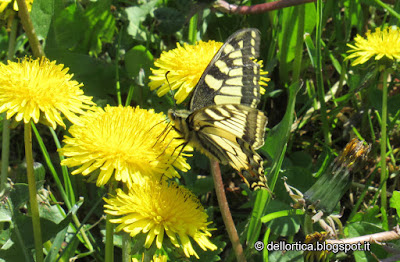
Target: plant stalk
{"points": [[26, 21], [225, 212], [383, 139], [37, 235], [319, 77], [5, 146], [109, 253]]}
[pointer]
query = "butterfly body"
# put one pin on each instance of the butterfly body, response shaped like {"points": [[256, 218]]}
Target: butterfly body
{"points": [[222, 120]]}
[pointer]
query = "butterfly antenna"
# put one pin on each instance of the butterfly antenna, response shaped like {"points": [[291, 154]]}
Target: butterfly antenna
{"points": [[170, 89], [165, 131], [168, 146]]}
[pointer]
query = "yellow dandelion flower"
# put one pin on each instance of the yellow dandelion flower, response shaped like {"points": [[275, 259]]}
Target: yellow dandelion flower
{"points": [[4, 4], [322, 255], [385, 43], [157, 208], [185, 65], [124, 141], [156, 258], [28, 5], [31, 89]]}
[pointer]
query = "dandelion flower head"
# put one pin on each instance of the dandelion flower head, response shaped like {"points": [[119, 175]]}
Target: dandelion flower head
{"points": [[156, 258], [31, 89], [381, 43], [157, 208], [4, 4], [185, 65], [124, 141]]}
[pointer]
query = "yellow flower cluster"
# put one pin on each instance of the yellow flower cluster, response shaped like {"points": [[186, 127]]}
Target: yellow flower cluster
{"points": [[132, 145]]}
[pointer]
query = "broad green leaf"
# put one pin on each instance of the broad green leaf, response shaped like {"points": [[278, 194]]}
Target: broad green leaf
{"points": [[370, 215], [290, 256], [5, 213], [38, 170], [42, 14], [102, 27], [136, 59], [279, 134], [365, 228], [69, 27], [283, 226], [98, 76], [395, 202], [136, 15], [169, 20]]}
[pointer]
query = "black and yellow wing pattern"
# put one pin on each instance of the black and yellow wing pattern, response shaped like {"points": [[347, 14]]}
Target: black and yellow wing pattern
{"points": [[222, 120]]}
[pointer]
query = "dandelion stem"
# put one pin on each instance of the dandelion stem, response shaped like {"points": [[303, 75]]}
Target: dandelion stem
{"points": [[5, 146], [126, 245], [109, 240], [109, 257], [383, 138], [26, 21], [225, 212], [32, 193]]}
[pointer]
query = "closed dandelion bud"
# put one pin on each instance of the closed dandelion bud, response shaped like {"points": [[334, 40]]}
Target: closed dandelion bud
{"points": [[334, 182]]}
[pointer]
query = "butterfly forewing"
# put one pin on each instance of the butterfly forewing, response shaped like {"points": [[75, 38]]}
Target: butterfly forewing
{"points": [[232, 77]]}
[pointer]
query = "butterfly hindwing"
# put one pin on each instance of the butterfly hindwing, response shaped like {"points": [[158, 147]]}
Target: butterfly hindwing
{"points": [[223, 133], [232, 121], [232, 77]]}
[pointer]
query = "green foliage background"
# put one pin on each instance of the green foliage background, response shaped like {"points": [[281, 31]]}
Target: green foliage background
{"points": [[112, 44]]}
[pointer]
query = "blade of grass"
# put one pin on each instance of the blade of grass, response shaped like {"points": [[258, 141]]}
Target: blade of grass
{"points": [[67, 181], [66, 198], [319, 76], [51, 167]]}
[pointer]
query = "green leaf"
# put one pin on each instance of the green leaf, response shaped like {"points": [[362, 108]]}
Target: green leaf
{"points": [[56, 246], [274, 147], [290, 256], [69, 27], [138, 58], [395, 202], [169, 20], [101, 24], [365, 228], [136, 15], [279, 134], [41, 15], [38, 170], [5, 212], [283, 226], [97, 75], [301, 159]]}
